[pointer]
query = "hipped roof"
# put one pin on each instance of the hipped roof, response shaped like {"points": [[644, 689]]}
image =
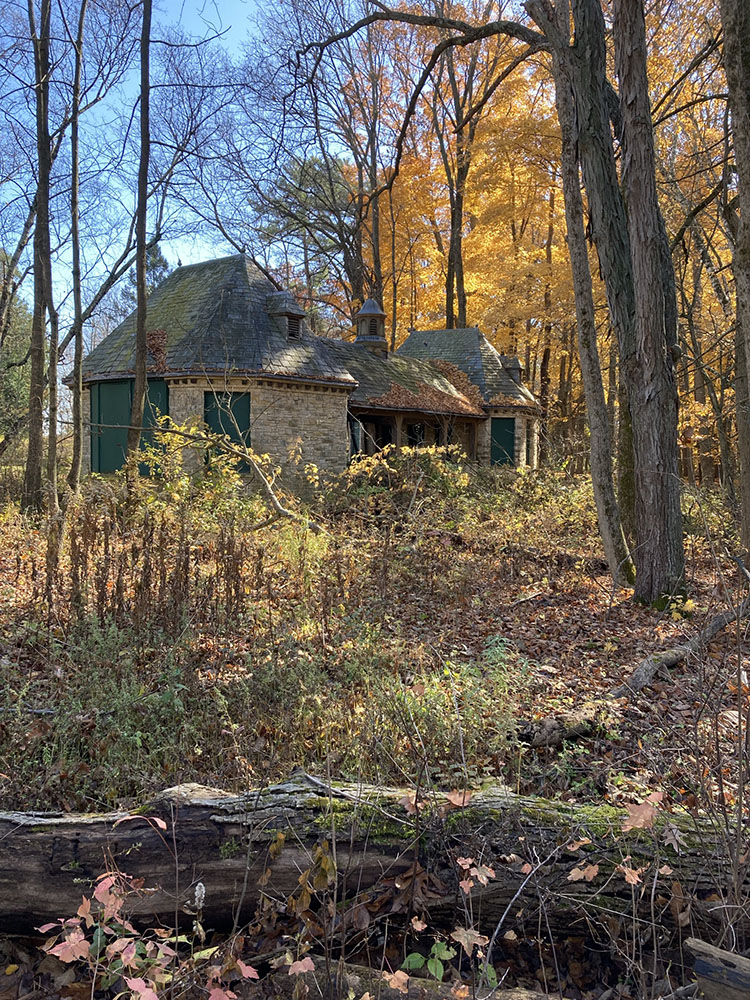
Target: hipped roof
{"points": [[215, 320], [222, 317], [470, 351]]}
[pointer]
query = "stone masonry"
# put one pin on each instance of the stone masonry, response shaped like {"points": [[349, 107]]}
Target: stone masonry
{"points": [[186, 405], [297, 424]]}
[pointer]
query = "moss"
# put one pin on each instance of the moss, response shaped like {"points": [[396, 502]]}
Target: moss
{"points": [[369, 820]]}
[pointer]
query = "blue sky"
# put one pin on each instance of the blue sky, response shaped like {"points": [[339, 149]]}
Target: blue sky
{"points": [[205, 17], [234, 20]]}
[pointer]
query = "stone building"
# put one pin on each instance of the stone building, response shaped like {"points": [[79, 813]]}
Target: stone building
{"points": [[226, 346]]}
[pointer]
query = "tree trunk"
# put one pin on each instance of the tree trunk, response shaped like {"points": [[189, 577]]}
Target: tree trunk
{"points": [[74, 475], [608, 513], [735, 17], [225, 841], [33, 496], [141, 347], [661, 564]]}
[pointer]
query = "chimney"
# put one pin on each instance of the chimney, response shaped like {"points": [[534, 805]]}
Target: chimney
{"points": [[371, 328]]}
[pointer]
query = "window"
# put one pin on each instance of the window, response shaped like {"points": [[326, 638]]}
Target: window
{"points": [[293, 327], [373, 331]]}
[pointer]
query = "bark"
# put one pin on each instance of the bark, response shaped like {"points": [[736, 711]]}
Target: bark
{"points": [[33, 497], [224, 841], [139, 383], [652, 384], [608, 513], [722, 975], [735, 16]]}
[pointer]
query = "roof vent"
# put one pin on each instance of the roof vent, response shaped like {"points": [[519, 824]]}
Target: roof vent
{"points": [[283, 304], [513, 368]]}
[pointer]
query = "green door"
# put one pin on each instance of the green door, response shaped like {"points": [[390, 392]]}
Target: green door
{"points": [[503, 437], [110, 418]]}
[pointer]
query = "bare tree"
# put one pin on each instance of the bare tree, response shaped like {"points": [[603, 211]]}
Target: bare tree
{"points": [[139, 384]]}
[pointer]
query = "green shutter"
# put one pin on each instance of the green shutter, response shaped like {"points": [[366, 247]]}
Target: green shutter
{"points": [[503, 440], [110, 419], [228, 413]]}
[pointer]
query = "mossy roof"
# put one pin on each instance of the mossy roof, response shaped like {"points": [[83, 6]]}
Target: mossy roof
{"points": [[214, 317], [396, 383], [222, 316], [470, 351]]}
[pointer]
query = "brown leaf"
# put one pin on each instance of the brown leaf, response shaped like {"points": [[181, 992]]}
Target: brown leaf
{"points": [[468, 939], [458, 800], [397, 980]]}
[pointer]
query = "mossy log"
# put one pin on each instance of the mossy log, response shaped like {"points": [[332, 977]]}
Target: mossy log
{"points": [[357, 980], [231, 844]]}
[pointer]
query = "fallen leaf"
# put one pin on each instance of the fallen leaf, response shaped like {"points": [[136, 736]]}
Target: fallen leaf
{"points": [[418, 925], [458, 800], [305, 964], [410, 804], [587, 874], [397, 981], [641, 815], [468, 939], [577, 844]]}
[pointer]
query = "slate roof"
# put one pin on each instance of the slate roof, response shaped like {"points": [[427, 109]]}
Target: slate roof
{"points": [[225, 316], [395, 383], [215, 319], [470, 351]]}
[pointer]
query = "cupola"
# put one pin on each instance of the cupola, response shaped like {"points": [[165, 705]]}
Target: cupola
{"points": [[284, 305], [371, 328]]}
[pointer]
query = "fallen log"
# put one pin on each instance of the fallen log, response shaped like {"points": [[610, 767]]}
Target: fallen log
{"points": [[356, 980], [392, 854], [722, 975], [647, 669]]}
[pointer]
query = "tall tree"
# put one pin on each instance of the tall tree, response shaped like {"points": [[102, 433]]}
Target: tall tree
{"points": [[141, 345], [74, 474], [652, 388], [735, 16], [33, 497]]}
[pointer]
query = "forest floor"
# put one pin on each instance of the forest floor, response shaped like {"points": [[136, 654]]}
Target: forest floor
{"points": [[426, 632]]}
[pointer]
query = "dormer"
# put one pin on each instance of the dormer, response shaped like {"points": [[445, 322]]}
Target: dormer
{"points": [[371, 328], [285, 306]]}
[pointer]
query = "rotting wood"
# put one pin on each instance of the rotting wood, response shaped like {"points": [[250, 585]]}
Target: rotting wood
{"points": [[357, 980], [47, 862], [722, 975], [647, 669]]}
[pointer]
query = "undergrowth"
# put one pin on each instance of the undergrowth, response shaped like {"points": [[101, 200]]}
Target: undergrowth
{"points": [[177, 642]]}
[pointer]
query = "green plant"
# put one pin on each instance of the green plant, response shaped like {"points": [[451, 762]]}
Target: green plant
{"points": [[439, 953]]}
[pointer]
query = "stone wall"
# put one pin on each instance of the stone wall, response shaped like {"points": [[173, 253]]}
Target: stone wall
{"points": [[297, 424], [185, 405]]}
